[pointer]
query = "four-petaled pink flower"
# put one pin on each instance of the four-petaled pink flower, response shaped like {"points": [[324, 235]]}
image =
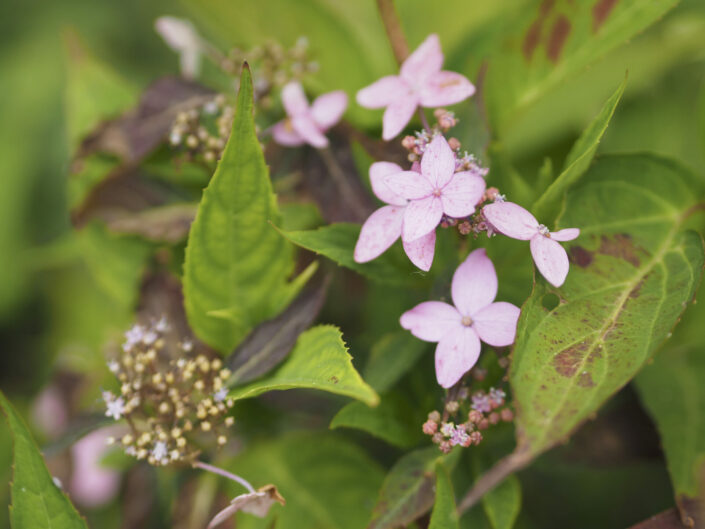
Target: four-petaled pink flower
{"points": [[420, 83], [383, 227], [438, 189], [458, 329], [304, 123], [515, 222]]}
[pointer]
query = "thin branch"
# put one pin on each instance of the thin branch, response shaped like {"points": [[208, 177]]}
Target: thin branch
{"points": [[343, 184], [424, 121], [493, 477], [392, 26], [225, 473]]}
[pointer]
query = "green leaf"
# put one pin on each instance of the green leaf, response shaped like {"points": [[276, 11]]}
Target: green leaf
{"points": [[503, 503], [578, 160], [554, 41], [337, 242], [37, 503], [672, 390], [407, 491], [236, 268], [328, 482], [444, 515], [94, 92], [390, 358], [116, 262], [320, 360], [392, 420], [634, 269]]}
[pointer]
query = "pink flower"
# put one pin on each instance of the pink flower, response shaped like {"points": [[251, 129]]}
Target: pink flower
{"points": [[458, 329], [515, 222], [180, 35], [383, 227], [438, 189], [304, 123], [420, 83], [92, 485]]}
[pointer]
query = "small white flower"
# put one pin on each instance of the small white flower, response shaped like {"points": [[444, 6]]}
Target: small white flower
{"points": [[181, 36], [160, 451], [115, 406], [220, 395], [162, 325], [149, 337], [113, 366]]}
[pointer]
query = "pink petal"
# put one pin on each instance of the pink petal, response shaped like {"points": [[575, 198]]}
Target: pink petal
{"points": [[382, 92], [424, 62], [430, 321], [397, 115], [307, 129], [284, 134], [511, 220], [420, 251], [474, 283], [378, 172], [327, 109], [421, 217], [496, 324], [438, 162], [550, 259], [456, 353], [409, 184], [445, 88], [567, 234], [378, 233], [462, 193], [294, 99], [92, 485]]}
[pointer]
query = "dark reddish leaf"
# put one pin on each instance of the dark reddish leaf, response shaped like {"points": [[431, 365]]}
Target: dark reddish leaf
{"points": [[270, 342], [138, 132]]}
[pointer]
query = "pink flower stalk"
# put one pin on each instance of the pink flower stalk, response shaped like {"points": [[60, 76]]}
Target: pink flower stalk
{"points": [[304, 123], [384, 226], [420, 83], [436, 190], [458, 329], [515, 222]]}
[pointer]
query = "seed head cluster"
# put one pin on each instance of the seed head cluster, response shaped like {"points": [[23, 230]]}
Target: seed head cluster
{"points": [[170, 397], [477, 413], [200, 134]]}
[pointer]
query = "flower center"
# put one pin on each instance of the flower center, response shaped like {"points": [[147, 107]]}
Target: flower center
{"points": [[437, 192], [543, 230], [466, 321]]}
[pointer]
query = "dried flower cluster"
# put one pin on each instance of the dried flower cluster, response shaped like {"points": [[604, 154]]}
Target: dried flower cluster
{"points": [[168, 396], [200, 134], [485, 409], [273, 66]]}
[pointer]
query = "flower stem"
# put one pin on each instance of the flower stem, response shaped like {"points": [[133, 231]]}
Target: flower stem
{"points": [[224, 473], [493, 477], [343, 185], [424, 121], [392, 26]]}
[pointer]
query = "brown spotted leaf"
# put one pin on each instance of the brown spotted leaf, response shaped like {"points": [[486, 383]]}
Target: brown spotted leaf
{"points": [[553, 41], [634, 269]]}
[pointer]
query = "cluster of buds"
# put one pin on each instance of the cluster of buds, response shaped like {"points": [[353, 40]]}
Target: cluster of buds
{"points": [[475, 223], [201, 133], [486, 409], [168, 396], [273, 66]]}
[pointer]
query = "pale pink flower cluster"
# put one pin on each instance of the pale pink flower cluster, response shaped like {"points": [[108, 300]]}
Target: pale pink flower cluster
{"points": [[441, 187]]}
